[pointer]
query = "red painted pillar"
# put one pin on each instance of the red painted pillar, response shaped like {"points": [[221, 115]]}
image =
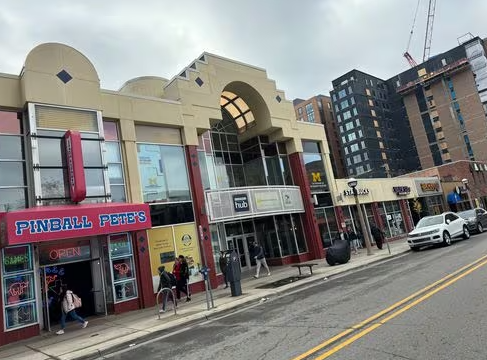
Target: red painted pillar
{"points": [[406, 215], [144, 275], [199, 210], [311, 229]]}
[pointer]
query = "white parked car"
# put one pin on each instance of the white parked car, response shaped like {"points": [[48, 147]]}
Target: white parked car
{"points": [[438, 229]]}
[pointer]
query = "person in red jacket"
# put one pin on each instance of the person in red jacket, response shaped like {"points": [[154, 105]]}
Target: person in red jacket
{"points": [[181, 272]]}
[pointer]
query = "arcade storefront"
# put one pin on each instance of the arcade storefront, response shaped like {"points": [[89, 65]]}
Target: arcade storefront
{"points": [[94, 249]]}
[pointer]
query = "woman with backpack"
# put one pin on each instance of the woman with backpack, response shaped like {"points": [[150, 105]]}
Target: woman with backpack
{"points": [[69, 303]]}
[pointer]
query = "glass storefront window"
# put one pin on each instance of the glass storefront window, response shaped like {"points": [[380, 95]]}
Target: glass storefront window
{"points": [[113, 158], [286, 235], [53, 167], [19, 304], [298, 231], [163, 173], [394, 220], [13, 186], [122, 267]]}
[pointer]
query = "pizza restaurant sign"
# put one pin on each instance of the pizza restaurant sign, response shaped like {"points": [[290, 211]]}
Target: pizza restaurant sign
{"points": [[428, 187], [64, 222]]}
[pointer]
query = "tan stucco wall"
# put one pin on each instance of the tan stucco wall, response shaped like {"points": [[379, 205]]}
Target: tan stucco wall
{"points": [[380, 190]]}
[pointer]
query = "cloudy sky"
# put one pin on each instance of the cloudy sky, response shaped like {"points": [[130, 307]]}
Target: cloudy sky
{"points": [[303, 44]]}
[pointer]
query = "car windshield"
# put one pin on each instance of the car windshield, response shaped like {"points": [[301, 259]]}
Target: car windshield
{"points": [[429, 221], [467, 214]]}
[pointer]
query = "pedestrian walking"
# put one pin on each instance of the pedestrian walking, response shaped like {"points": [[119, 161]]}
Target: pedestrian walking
{"points": [[352, 238], [166, 281], [181, 272], [222, 261], [260, 260], [378, 235], [69, 303]]}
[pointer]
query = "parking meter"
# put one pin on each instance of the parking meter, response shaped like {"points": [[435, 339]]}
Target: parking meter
{"points": [[234, 273]]}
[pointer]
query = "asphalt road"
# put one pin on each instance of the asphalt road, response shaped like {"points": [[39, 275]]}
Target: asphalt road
{"points": [[447, 321]]}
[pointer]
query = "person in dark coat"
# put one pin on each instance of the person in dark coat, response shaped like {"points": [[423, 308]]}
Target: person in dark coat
{"points": [[378, 235], [181, 272], [165, 282], [222, 261]]}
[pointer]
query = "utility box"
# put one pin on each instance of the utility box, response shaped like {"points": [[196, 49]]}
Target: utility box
{"points": [[234, 273]]}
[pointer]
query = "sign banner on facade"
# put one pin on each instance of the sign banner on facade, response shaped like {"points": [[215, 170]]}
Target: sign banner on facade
{"points": [[166, 243], [401, 190], [253, 201], [76, 171], [45, 223], [426, 187]]}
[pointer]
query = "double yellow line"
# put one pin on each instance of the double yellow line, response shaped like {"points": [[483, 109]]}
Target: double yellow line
{"points": [[394, 310]]}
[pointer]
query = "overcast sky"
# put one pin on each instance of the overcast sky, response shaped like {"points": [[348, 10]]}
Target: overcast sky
{"points": [[303, 44]]}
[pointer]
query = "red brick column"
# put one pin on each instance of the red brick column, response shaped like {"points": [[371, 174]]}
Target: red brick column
{"points": [[311, 229], [339, 217], [377, 218], [408, 221], [144, 275], [199, 210]]}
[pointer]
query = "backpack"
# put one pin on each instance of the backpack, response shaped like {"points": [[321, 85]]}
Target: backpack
{"points": [[76, 301], [172, 278]]}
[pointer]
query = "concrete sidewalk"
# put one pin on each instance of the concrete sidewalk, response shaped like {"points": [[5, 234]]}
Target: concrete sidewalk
{"points": [[106, 334]]}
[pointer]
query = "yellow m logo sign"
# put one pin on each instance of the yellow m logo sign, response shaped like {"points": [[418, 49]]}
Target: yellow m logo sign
{"points": [[316, 177]]}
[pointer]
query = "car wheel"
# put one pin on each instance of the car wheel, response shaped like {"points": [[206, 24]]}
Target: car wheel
{"points": [[446, 239], [415, 248], [480, 228], [466, 233]]}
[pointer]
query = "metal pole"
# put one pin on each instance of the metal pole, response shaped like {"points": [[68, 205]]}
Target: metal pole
{"points": [[469, 197], [362, 223]]}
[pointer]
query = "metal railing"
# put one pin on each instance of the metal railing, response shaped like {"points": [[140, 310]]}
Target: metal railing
{"points": [[165, 292]]}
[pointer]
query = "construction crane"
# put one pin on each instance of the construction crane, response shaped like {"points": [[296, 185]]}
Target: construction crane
{"points": [[428, 36]]}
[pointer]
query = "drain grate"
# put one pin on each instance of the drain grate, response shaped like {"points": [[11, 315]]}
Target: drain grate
{"points": [[281, 282]]}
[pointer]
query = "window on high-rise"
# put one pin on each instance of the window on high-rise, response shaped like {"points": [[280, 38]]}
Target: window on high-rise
{"points": [[354, 111], [347, 115], [354, 148], [342, 93], [344, 104], [300, 111], [352, 100], [367, 91], [352, 136], [310, 113], [360, 170], [372, 112], [357, 159], [349, 126]]}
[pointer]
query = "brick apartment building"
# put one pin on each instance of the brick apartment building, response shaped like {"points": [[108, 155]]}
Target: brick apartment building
{"points": [[318, 110]]}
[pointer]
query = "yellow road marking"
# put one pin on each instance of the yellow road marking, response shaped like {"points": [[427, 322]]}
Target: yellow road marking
{"points": [[397, 313], [385, 311]]}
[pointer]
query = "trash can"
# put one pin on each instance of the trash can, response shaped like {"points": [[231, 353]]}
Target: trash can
{"points": [[234, 273]]}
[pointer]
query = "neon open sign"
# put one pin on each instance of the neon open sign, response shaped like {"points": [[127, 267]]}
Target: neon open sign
{"points": [[56, 255], [65, 254]]}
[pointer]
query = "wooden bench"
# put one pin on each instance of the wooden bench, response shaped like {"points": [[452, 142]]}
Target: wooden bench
{"points": [[308, 265]]}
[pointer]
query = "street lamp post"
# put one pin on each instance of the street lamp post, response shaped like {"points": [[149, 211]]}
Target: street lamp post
{"points": [[465, 183], [352, 183]]}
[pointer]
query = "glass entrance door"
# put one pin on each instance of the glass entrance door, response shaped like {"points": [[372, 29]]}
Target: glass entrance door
{"points": [[243, 244]]}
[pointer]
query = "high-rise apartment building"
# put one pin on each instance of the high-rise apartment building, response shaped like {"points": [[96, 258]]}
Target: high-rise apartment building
{"points": [[318, 109], [426, 116], [371, 141]]}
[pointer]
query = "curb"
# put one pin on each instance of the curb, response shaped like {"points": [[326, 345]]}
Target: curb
{"points": [[232, 308]]}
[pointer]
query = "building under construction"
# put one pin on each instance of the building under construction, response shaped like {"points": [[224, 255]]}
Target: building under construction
{"points": [[434, 113]]}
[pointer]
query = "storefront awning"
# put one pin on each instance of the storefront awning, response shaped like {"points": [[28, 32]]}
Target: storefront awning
{"points": [[47, 223]]}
